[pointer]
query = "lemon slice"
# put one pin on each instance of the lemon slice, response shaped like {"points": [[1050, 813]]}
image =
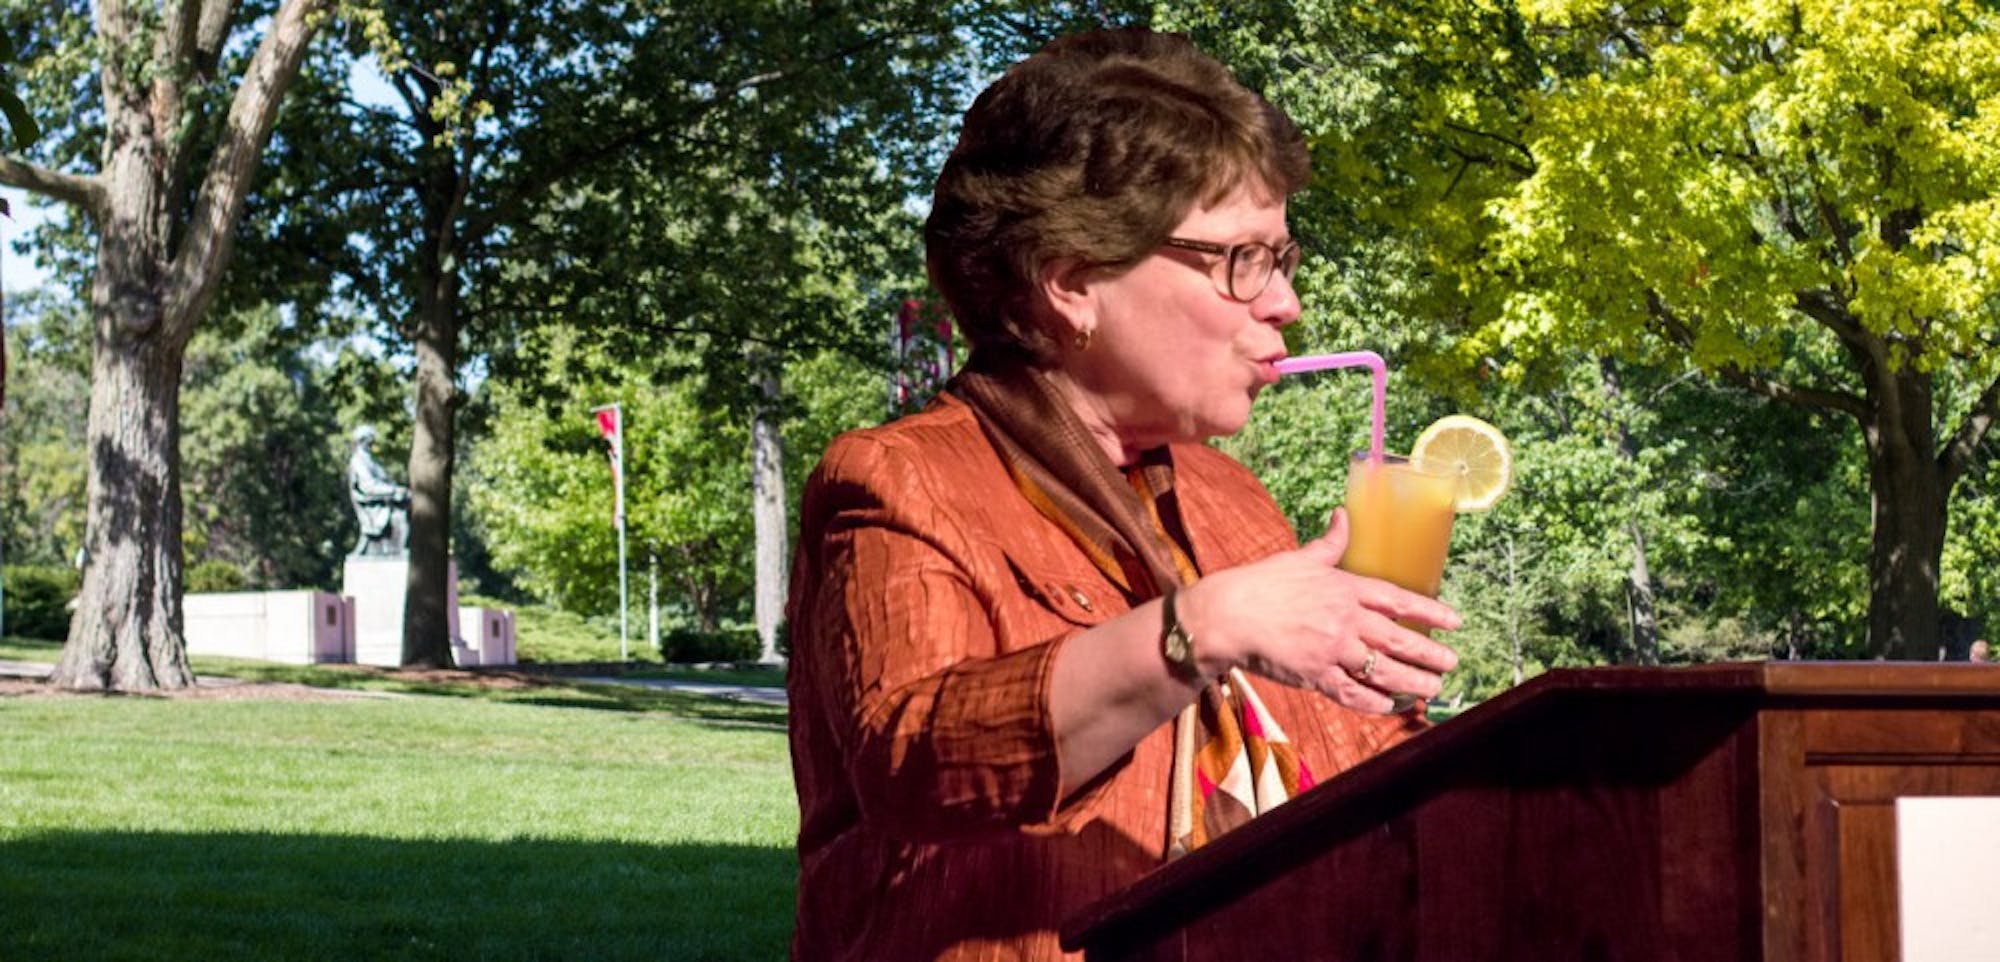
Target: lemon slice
{"points": [[1473, 450]]}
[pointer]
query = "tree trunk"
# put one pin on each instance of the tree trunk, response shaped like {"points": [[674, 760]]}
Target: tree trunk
{"points": [[1639, 602], [1644, 640], [1908, 493], [126, 633], [767, 492], [1516, 647], [700, 592], [426, 618]]}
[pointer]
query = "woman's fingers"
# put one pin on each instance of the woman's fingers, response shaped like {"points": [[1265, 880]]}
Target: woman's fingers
{"points": [[1415, 648], [1300, 619], [1396, 659], [1358, 695], [1404, 605]]}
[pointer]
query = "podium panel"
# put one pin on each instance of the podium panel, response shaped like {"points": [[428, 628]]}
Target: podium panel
{"points": [[1715, 813]]}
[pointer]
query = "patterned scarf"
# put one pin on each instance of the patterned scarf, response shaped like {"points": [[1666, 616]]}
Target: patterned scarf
{"points": [[1232, 760]]}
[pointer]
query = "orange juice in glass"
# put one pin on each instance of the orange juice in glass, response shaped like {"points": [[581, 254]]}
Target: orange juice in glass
{"points": [[1399, 521]]}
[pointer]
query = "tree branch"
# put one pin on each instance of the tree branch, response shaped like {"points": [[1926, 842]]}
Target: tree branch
{"points": [[1958, 454], [589, 155], [173, 64], [177, 38], [83, 192], [114, 25], [1680, 332], [411, 92], [1825, 307], [197, 268], [1525, 168], [212, 30]]}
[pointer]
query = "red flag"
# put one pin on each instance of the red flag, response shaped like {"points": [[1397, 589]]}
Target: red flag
{"points": [[610, 423]]}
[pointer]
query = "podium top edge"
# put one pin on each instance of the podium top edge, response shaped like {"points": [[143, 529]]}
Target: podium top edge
{"points": [[1860, 678]]}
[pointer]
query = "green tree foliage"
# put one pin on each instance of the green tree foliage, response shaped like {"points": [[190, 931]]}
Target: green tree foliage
{"points": [[1797, 199], [543, 500], [41, 448], [24, 132], [775, 214], [262, 457], [542, 497], [1544, 579], [1972, 579], [38, 599], [1783, 494], [649, 171]]}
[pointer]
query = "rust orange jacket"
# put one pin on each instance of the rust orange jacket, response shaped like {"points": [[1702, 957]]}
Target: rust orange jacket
{"points": [[928, 601]]}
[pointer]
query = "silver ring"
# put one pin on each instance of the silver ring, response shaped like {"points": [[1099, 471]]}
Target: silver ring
{"points": [[1367, 665]]}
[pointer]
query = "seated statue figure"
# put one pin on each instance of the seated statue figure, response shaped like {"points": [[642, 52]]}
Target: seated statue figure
{"points": [[381, 506]]}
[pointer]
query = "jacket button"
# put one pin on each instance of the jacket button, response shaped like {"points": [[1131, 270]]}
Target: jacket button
{"points": [[1082, 600]]}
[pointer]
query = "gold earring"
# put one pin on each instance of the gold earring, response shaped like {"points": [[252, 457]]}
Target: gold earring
{"points": [[1082, 339]]}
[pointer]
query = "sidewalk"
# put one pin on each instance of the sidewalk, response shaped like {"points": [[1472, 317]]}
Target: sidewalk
{"points": [[24, 669], [768, 696]]}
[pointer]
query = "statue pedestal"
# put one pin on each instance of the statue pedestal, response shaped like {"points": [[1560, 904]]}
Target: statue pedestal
{"points": [[378, 587]]}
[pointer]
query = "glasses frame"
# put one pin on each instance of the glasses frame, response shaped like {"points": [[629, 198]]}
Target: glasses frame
{"points": [[1283, 259]]}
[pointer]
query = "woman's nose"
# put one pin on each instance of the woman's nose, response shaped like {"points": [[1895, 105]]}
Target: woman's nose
{"points": [[1278, 304]]}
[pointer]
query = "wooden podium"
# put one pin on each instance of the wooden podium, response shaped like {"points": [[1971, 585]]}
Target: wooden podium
{"points": [[1714, 813]]}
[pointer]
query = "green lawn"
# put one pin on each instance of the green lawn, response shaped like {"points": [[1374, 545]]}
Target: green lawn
{"points": [[555, 821]]}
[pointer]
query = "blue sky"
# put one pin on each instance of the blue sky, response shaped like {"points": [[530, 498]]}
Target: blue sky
{"points": [[17, 272]]}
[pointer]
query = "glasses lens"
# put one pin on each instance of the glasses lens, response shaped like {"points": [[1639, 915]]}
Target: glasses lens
{"points": [[1288, 260], [1249, 270]]}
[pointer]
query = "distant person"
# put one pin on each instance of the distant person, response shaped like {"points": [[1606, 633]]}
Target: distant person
{"points": [[381, 506], [1980, 651], [1044, 638]]}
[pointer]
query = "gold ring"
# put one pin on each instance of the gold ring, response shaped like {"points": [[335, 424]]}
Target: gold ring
{"points": [[1367, 666]]}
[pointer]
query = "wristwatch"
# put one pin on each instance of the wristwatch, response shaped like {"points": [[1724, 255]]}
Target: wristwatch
{"points": [[1176, 645]]}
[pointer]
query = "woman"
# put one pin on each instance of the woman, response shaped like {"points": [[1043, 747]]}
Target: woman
{"points": [[1044, 638]]}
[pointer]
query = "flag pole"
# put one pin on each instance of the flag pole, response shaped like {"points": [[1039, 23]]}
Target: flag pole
{"points": [[614, 430]]}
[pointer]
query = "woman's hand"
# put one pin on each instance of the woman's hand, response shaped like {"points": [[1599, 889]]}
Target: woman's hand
{"points": [[1297, 618]]}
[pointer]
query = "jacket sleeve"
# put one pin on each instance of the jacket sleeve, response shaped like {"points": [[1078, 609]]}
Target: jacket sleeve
{"points": [[942, 735]]}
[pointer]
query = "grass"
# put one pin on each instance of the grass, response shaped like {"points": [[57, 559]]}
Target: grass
{"points": [[551, 821], [29, 649]]}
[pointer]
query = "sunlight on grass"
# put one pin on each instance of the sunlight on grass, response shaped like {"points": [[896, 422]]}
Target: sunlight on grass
{"points": [[491, 825]]}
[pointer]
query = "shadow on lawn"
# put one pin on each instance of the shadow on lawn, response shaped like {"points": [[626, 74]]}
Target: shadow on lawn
{"points": [[516, 688], [95, 896]]}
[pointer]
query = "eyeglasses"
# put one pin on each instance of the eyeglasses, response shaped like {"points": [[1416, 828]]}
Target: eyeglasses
{"points": [[1250, 264]]}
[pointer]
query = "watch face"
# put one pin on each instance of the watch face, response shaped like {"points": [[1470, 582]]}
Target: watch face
{"points": [[1179, 648]]}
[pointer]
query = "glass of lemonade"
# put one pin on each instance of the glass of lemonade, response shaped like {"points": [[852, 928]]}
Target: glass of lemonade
{"points": [[1399, 521]]}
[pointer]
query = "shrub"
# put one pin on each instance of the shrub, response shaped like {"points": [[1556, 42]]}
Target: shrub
{"points": [[37, 599], [216, 575], [686, 645]]}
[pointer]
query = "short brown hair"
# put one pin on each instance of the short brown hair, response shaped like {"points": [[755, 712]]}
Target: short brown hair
{"points": [[1094, 148]]}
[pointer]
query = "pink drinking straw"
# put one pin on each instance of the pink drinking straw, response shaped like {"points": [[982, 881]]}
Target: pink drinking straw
{"points": [[1368, 359]]}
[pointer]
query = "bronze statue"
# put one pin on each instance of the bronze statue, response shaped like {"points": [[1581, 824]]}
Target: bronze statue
{"points": [[381, 506]]}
